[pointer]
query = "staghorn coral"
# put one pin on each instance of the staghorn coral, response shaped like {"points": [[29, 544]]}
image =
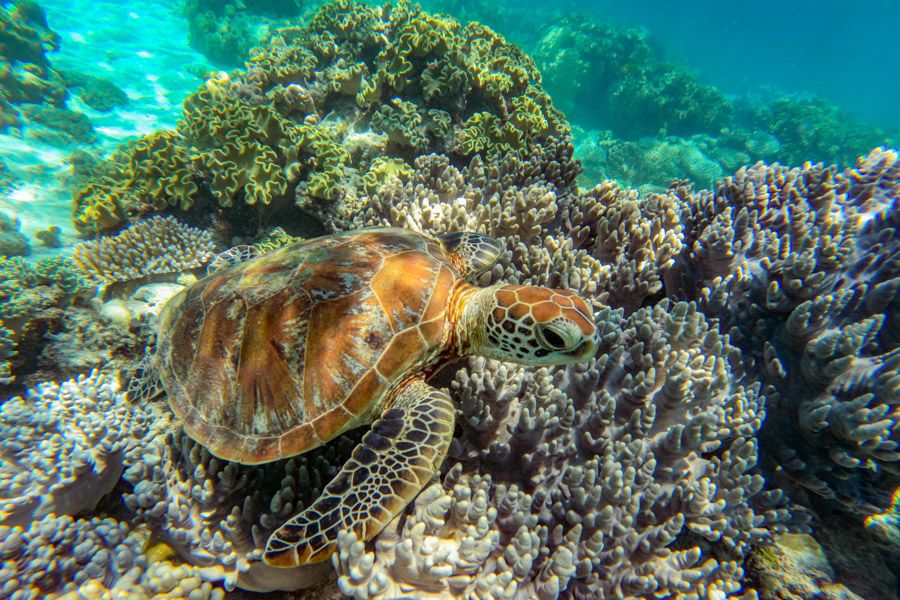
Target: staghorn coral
{"points": [[155, 246]]}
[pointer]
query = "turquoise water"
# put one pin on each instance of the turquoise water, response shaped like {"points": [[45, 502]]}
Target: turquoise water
{"points": [[687, 389]]}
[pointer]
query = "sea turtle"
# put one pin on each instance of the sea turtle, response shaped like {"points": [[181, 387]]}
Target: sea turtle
{"points": [[277, 354]]}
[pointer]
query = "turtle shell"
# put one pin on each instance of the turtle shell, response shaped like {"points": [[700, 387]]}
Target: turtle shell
{"points": [[277, 355]]}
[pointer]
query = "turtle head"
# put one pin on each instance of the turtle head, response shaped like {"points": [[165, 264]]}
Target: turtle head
{"points": [[529, 325]]}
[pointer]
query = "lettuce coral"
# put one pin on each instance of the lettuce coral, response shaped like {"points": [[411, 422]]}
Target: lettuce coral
{"points": [[282, 130]]}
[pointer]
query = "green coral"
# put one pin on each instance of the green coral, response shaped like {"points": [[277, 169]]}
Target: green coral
{"points": [[431, 62], [294, 128], [26, 75], [274, 239], [811, 129], [384, 169], [632, 92]]}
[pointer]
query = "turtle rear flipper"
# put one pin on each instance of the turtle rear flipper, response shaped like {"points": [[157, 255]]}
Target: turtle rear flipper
{"points": [[394, 461], [143, 382]]}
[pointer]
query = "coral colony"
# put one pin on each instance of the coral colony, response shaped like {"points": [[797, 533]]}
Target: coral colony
{"points": [[745, 389]]}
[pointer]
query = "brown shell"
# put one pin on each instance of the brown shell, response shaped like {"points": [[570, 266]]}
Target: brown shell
{"points": [[277, 355]]}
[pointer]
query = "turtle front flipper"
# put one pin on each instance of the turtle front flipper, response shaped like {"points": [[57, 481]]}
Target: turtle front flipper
{"points": [[472, 253], [394, 461]]}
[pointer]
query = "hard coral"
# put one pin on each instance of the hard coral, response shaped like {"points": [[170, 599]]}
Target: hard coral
{"points": [[64, 447], [631, 476], [158, 245], [280, 132], [803, 265]]}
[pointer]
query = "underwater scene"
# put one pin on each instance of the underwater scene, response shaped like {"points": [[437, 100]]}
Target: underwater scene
{"points": [[460, 299]]}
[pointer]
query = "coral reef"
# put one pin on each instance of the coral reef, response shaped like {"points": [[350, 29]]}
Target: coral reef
{"points": [[802, 266], [810, 129], [98, 93], [64, 447], [633, 92], [749, 351], [289, 128], [155, 246], [226, 31], [33, 298], [576, 479], [58, 126], [94, 558], [26, 75], [639, 473], [12, 241]]}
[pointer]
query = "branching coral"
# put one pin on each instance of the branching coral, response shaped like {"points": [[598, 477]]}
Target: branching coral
{"points": [[158, 245], [94, 558], [64, 447], [804, 265], [607, 243], [581, 479]]}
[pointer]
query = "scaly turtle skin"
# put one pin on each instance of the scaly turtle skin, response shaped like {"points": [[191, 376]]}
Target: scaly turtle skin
{"points": [[278, 354]]}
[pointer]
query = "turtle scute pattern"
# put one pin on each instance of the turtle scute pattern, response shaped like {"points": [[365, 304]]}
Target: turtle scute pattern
{"points": [[370, 307]]}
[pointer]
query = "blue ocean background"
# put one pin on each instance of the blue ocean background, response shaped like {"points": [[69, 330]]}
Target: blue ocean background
{"points": [[840, 50]]}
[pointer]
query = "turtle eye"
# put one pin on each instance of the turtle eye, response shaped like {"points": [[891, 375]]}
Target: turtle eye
{"points": [[554, 338]]}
